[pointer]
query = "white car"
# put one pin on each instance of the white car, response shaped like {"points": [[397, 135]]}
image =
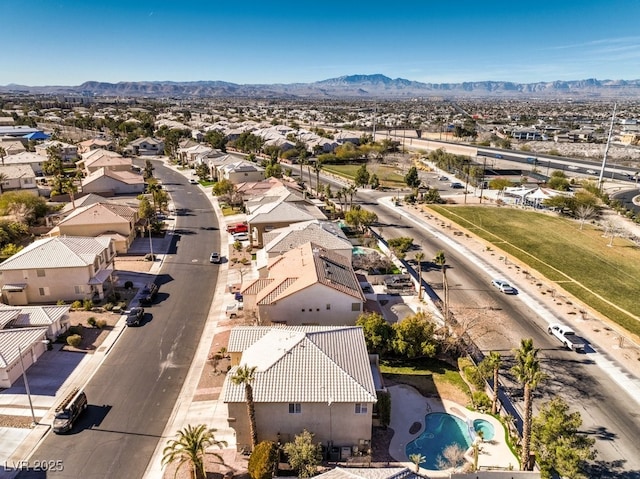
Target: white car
{"points": [[241, 237], [193, 181], [591, 172], [503, 286], [572, 167]]}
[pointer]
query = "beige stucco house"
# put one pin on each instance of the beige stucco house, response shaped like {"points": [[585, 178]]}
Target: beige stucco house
{"points": [[28, 343], [307, 285], [146, 147], [59, 268], [109, 183], [101, 219], [314, 378], [110, 160], [19, 177], [54, 318], [68, 152], [95, 144]]}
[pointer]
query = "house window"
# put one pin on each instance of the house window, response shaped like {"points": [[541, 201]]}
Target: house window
{"points": [[43, 291], [355, 306], [78, 289], [361, 408], [303, 310], [328, 306], [41, 273], [295, 408]]}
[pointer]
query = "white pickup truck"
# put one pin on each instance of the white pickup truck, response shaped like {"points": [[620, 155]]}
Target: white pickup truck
{"points": [[568, 337]]}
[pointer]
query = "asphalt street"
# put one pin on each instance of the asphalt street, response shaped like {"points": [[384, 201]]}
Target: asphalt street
{"points": [[133, 393]]}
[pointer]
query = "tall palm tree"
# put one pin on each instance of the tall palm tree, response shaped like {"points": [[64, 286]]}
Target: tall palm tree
{"points": [[190, 447], [317, 167], [441, 260], [419, 258], [527, 371], [351, 191], [494, 361], [3, 153], [245, 375]]}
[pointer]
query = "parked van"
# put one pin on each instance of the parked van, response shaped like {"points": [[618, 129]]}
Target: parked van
{"points": [[69, 410]]}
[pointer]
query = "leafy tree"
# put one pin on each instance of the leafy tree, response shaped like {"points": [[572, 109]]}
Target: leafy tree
{"points": [[559, 182], [362, 176], [145, 210], [248, 142], [411, 178], [378, 333], [273, 170], [401, 245], [414, 336], [245, 375], [500, 184], [419, 258], [148, 170], [432, 196], [441, 260], [263, 460], [360, 218], [375, 182], [53, 165], [223, 187], [3, 154], [384, 408], [202, 171], [528, 373], [23, 205], [557, 444], [216, 139], [190, 447], [304, 455]]}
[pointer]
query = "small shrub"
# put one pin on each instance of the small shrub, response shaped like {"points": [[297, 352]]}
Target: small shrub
{"points": [[108, 306], [101, 323], [74, 340], [87, 305], [75, 330], [60, 302], [91, 321], [481, 401], [262, 461], [76, 304], [237, 245], [122, 305]]}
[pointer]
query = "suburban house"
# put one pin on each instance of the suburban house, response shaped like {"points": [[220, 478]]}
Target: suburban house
{"points": [[27, 344], [279, 213], [19, 177], [110, 160], [12, 146], [326, 234], [68, 152], [101, 219], [54, 318], [58, 268], [306, 377], [26, 158], [95, 144], [146, 147], [239, 172], [109, 183], [307, 285]]}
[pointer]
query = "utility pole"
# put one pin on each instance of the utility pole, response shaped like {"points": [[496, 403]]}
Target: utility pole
{"points": [[484, 165], [606, 148], [26, 387]]}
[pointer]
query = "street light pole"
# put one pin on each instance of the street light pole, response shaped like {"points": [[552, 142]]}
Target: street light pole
{"points": [[151, 242], [26, 387]]}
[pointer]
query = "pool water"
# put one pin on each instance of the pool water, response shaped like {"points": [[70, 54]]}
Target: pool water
{"points": [[486, 427], [441, 430]]}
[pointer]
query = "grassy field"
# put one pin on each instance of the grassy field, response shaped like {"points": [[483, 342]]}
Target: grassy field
{"points": [[580, 261], [388, 175]]}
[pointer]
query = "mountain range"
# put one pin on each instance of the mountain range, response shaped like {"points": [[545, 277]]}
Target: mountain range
{"points": [[348, 87]]}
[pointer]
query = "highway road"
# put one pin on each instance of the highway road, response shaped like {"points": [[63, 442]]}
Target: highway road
{"points": [[133, 393]]}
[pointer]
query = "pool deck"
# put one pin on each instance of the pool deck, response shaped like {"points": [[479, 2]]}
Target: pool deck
{"points": [[408, 406]]}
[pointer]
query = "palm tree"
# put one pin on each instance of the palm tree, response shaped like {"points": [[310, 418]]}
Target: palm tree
{"points": [[419, 258], [3, 153], [317, 167], [190, 447], [351, 191], [527, 371], [245, 375], [441, 260], [3, 178], [494, 361], [417, 459]]}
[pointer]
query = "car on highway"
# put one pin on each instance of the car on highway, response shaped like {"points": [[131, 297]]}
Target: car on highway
{"points": [[456, 185], [215, 258], [572, 167], [149, 293], [503, 286], [443, 178], [134, 316], [241, 237], [193, 181], [591, 172]]}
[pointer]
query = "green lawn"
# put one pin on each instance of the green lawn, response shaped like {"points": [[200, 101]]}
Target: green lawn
{"points": [[580, 261], [429, 376], [388, 175]]}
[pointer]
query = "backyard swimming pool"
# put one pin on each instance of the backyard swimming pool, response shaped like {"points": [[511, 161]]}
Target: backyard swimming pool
{"points": [[441, 430]]}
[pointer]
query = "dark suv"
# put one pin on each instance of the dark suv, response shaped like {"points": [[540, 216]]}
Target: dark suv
{"points": [[149, 293], [134, 316]]}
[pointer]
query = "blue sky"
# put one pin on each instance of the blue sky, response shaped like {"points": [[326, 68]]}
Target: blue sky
{"points": [[67, 42]]}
